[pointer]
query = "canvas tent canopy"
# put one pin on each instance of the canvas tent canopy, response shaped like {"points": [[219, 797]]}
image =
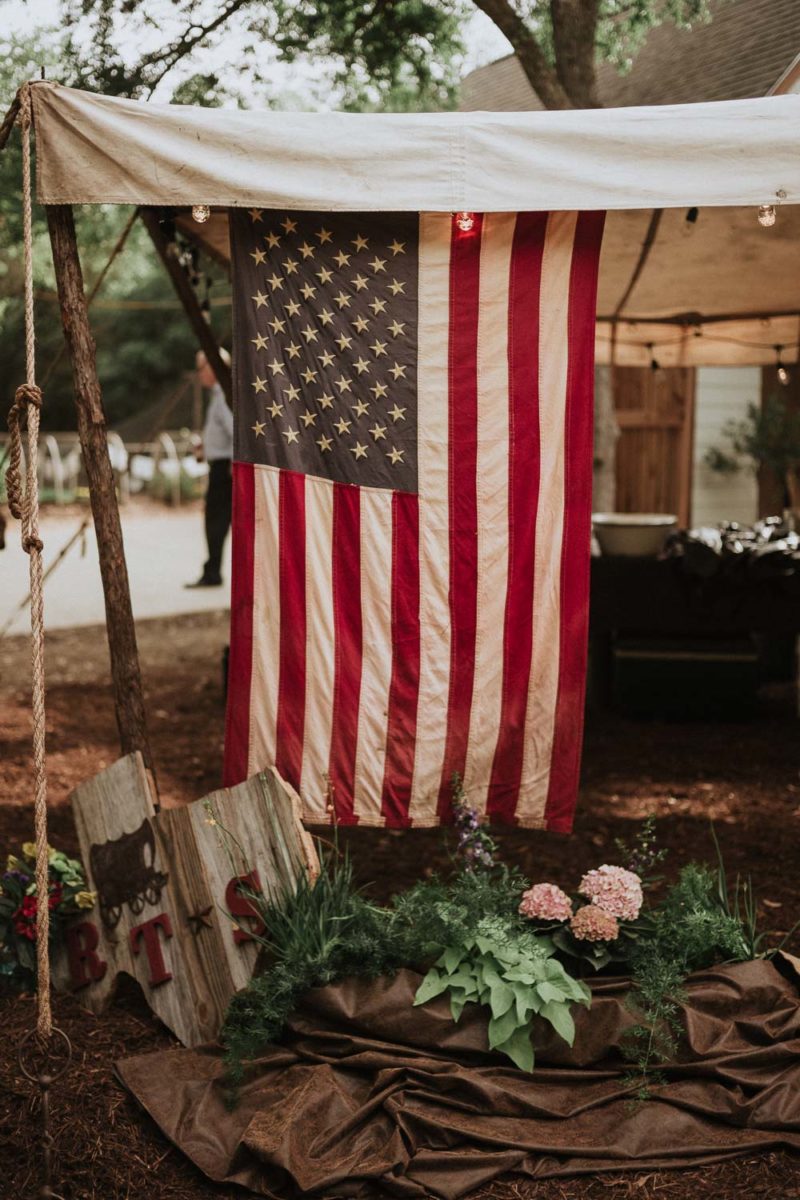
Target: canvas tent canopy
{"points": [[721, 290]]}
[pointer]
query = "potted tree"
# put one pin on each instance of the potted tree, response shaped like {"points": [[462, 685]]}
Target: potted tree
{"points": [[769, 436]]}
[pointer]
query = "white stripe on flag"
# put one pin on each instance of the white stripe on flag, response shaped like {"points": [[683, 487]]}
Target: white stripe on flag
{"points": [[319, 644], [553, 365], [492, 498], [376, 661], [266, 620], [434, 545]]}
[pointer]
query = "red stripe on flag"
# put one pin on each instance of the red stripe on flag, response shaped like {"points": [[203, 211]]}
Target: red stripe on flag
{"points": [[401, 725], [524, 450], [292, 670], [346, 581], [240, 661], [465, 257], [575, 561]]}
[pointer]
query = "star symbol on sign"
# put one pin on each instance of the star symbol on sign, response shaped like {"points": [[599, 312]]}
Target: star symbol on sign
{"points": [[325, 275], [308, 375], [378, 264], [255, 214], [291, 393], [293, 308], [259, 384], [396, 286], [398, 371], [359, 450], [360, 324], [360, 243], [260, 299], [324, 235], [326, 316], [361, 365], [259, 341], [290, 266], [324, 443], [275, 282], [291, 435], [308, 418], [341, 258], [378, 348], [259, 255], [397, 247], [343, 384], [275, 409], [308, 291], [309, 333], [380, 390], [360, 409], [276, 366], [293, 349], [378, 431], [343, 300], [377, 306], [306, 250], [326, 400], [396, 328], [258, 428], [359, 282], [342, 425], [343, 341], [327, 359], [273, 240], [289, 225], [395, 456], [277, 325], [397, 413]]}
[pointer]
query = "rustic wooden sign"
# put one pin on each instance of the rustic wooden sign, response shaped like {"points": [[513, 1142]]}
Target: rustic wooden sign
{"points": [[173, 907]]}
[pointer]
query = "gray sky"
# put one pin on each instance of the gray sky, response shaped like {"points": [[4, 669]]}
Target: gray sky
{"points": [[484, 43]]}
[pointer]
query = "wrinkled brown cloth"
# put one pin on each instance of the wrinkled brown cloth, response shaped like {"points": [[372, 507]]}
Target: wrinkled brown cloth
{"points": [[369, 1094]]}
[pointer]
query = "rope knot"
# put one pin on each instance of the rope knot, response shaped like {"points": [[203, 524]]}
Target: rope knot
{"points": [[31, 543], [27, 393]]}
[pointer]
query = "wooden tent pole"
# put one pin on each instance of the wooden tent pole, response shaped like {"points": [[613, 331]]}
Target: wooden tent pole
{"points": [[125, 672], [188, 299]]}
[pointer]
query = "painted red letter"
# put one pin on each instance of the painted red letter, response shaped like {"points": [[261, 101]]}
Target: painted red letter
{"points": [[242, 906], [147, 932], [85, 966]]}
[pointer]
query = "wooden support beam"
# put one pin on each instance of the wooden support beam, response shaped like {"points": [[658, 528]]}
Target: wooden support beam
{"points": [[125, 672], [187, 297]]}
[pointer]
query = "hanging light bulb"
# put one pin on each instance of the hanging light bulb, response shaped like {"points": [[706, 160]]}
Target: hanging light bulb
{"points": [[465, 221], [655, 365], [783, 374], [766, 215], [690, 221], [200, 213]]}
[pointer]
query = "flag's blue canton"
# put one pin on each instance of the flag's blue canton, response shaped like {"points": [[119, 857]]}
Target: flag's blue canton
{"points": [[325, 330]]}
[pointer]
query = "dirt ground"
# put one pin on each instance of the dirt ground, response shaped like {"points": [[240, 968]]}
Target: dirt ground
{"points": [[746, 778]]}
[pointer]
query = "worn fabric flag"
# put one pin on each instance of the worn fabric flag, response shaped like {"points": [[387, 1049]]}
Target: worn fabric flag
{"points": [[412, 492]]}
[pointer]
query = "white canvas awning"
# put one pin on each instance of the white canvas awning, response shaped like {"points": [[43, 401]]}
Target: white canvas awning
{"points": [[729, 292]]}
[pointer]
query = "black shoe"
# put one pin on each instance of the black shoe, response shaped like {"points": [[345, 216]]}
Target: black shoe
{"points": [[205, 581]]}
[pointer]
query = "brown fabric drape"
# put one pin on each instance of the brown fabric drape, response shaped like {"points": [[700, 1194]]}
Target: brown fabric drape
{"points": [[368, 1092]]}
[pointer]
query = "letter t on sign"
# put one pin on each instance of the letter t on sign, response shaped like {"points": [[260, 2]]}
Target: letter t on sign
{"points": [[147, 932]]}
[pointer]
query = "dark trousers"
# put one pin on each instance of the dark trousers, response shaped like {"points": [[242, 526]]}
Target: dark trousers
{"points": [[218, 514]]}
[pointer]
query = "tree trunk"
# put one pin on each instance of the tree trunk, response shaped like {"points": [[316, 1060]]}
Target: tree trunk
{"points": [[574, 38], [125, 672], [541, 76]]}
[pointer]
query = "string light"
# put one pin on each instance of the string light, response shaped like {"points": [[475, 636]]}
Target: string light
{"points": [[783, 374], [655, 365], [465, 221], [691, 221], [766, 215], [200, 213]]}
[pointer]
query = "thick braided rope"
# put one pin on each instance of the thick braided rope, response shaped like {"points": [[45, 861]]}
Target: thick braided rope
{"points": [[29, 397]]}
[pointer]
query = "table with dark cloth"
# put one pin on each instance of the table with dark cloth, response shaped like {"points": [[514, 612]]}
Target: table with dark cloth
{"points": [[367, 1094]]}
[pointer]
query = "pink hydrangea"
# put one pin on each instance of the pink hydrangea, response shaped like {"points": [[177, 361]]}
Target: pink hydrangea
{"points": [[546, 902], [615, 890], [593, 924]]}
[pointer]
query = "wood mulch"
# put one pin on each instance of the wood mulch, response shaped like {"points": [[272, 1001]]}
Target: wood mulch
{"points": [[744, 777]]}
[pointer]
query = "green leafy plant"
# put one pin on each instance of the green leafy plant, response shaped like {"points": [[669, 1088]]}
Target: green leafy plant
{"points": [[512, 973], [769, 436]]}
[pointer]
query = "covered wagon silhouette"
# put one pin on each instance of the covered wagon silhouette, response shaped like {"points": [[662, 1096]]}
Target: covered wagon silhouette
{"points": [[124, 873]]}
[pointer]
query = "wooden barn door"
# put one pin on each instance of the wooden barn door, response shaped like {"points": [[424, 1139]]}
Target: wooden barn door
{"points": [[655, 414]]}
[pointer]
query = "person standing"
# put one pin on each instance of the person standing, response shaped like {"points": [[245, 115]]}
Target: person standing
{"points": [[217, 449]]}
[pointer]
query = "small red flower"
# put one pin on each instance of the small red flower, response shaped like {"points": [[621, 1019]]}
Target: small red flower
{"points": [[55, 896], [29, 906]]}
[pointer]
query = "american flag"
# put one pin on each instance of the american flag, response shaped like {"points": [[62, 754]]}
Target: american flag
{"points": [[412, 489]]}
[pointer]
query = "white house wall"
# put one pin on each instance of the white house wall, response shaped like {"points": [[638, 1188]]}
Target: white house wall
{"points": [[723, 394]]}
